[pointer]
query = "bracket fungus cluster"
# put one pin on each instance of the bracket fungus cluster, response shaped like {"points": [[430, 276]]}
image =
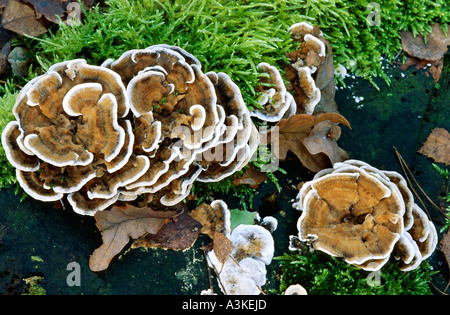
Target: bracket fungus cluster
{"points": [[311, 72], [150, 122], [240, 266], [364, 215]]}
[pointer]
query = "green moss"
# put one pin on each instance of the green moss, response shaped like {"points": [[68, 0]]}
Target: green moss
{"points": [[7, 171], [234, 36], [34, 284], [326, 275]]}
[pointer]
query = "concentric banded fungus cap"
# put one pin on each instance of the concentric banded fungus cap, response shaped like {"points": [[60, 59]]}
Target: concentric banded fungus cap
{"points": [[176, 118], [275, 101], [418, 243], [252, 241], [236, 138], [69, 129], [354, 211]]}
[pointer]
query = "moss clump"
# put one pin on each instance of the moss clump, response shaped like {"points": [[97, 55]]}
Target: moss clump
{"points": [[325, 275], [7, 171], [34, 286], [234, 36]]}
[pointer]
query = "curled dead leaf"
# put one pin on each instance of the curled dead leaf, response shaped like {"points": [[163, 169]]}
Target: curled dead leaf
{"points": [[21, 19], [178, 233], [312, 138], [120, 224], [432, 52], [434, 48]]}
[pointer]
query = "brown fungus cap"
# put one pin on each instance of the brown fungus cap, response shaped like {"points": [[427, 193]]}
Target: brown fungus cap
{"points": [[238, 138], [356, 212], [181, 116], [69, 130]]}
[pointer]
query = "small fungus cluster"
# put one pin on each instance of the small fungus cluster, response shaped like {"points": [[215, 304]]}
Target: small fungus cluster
{"points": [[311, 72], [244, 270], [364, 215], [150, 122]]}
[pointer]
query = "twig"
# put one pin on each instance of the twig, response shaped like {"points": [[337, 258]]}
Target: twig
{"points": [[235, 261], [261, 290], [209, 272], [217, 274], [396, 57], [404, 165], [440, 291]]}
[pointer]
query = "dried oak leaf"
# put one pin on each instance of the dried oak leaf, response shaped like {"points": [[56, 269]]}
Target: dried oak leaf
{"points": [[251, 177], [435, 47], [118, 225], [432, 51], [222, 246], [437, 146], [50, 9], [312, 138], [178, 233], [21, 19]]}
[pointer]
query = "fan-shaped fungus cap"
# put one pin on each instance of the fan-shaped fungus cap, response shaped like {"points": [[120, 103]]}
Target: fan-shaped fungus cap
{"points": [[33, 186], [70, 131], [244, 278], [252, 241], [344, 221], [354, 211], [244, 272], [177, 118], [308, 85], [418, 243], [274, 101], [13, 150], [236, 140]]}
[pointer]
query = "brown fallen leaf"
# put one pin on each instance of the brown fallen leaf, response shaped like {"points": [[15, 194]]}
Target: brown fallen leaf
{"points": [[21, 19], [222, 246], [437, 146], [50, 9], [312, 138], [435, 47], [436, 70], [118, 225], [178, 233], [445, 249], [251, 177], [421, 53]]}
